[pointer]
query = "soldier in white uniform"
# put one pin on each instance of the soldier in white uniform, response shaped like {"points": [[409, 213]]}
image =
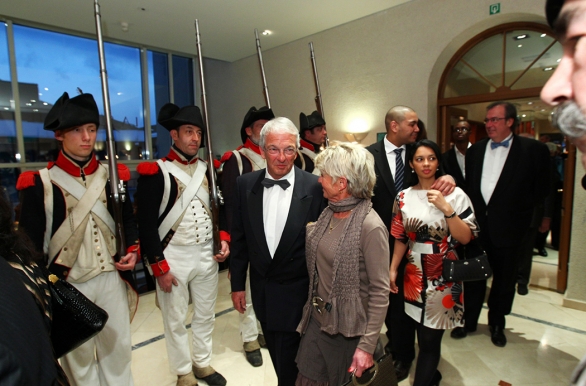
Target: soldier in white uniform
{"points": [[67, 214], [244, 160], [312, 129], [173, 210]]}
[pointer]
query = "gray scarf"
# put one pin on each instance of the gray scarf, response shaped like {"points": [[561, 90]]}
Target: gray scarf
{"points": [[347, 312]]}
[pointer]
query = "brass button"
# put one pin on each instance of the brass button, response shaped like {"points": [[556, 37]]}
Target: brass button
{"points": [[66, 194], [104, 201], [95, 233], [101, 261], [64, 273], [102, 268], [96, 240], [64, 248], [196, 228], [95, 226], [99, 254], [112, 237]]}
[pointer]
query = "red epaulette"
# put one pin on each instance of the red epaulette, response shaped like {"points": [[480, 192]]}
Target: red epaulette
{"points": [[50, 164], [147, 168], [26, 180], [123, 172], [226, 156]]}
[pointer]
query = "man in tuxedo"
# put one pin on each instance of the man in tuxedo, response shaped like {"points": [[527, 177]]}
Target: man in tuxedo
{"points": [[453, 160], [507, 176], [272, 208], [392, 171]]}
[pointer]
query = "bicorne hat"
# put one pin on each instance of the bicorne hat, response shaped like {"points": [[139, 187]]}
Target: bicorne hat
{"points": [[308, 122], [252, 116], [552, 10], [67, 113], [171, 117]]}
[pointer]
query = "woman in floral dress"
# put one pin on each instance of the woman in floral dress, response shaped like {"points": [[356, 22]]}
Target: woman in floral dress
{"points": [[428, 226]]}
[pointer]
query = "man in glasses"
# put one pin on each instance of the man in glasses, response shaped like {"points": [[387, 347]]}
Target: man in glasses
{"points": [[453, 159], [272, 207], [507, 176]]}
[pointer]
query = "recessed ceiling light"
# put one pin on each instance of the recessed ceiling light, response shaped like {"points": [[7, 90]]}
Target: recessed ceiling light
{"points": [[520, 45], [543, 35], [521, 37], [559, 60], [529, 103], [524, 115], [266, 32], [548, 69]]}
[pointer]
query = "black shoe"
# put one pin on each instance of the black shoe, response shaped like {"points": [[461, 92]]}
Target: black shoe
{"points": [[522, 289], [402, 369], [254, 357], [459, 333], [542, 252], [497, 336], [214, 379], [437, 377]]}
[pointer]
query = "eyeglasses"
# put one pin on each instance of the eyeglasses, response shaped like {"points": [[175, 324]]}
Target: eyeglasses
{"points": [[287, 151], [461, 129], [493, 120]]}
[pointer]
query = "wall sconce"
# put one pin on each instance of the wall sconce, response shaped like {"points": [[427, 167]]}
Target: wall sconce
{"points": [[355, 137]]}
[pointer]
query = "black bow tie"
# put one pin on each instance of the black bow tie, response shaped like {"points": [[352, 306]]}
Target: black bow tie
{"points": [[268, 183]]}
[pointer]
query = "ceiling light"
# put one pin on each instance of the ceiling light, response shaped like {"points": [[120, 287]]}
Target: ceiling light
{"points": [[524, 115], [266, 32], [520, 45], [45, 103], [32, 100], [46, 89], [35, 110], [559, 60], [548, 69], [521, 37], [543, 35], [6, 108], [529, 103]]}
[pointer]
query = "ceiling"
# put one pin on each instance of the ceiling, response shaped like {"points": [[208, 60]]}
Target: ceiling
{"points": [[226, 26]]}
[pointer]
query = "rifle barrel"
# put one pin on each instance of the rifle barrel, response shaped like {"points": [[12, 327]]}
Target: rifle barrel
{"points": [[262, 70], [117, 190], [318, 100], [215, 197]]}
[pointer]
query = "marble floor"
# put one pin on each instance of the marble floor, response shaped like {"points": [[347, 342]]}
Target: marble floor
{"points": [[545, 342]]}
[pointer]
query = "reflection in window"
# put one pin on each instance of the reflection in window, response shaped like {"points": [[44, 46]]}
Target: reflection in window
{"points": [[50, 63], [529, 56], [159, 94], [8, 178], [183, 81], [8, 145]]}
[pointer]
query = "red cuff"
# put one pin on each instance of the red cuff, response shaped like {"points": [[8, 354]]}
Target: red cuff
{"points": [[224, 236], [160, 268], [133, 248]]}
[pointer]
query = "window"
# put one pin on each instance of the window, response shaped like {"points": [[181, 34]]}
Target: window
{"points": [[159, 95]]}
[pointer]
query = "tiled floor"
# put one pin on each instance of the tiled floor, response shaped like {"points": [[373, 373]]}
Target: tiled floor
{"points": [[545, 342]]}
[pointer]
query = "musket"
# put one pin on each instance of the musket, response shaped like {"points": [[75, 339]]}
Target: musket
{"points": [[215, 195], [262, 70], [117, 189], [318, 102]]}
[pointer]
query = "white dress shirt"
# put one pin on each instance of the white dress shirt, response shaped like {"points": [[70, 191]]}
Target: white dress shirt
{"points": [[392, 156], [461, 158], [275, 209], [494, 161]]}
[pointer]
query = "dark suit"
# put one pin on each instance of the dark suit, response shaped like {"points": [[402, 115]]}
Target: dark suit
{"points": [[279, 284], [505, 220], [451, 167], [400, 327]]}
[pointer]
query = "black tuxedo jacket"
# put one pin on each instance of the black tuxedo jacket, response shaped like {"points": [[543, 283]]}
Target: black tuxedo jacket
{"points": [[523, 184], [384, 190], [279, 285], [451, 167]]}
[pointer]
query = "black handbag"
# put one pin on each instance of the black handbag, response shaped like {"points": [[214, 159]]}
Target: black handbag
{"points": [[476, 268], [76, 319], [381, 374]]}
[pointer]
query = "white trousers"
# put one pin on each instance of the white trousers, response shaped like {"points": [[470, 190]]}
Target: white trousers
{"points": [[105, 359], [249, 325], [197, 275]]}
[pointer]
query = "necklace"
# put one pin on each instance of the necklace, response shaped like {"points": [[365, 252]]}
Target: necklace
{"points": [[332, 226]]}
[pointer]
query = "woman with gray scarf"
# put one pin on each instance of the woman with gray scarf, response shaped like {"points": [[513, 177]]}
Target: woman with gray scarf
{"points": [[347, 252]]}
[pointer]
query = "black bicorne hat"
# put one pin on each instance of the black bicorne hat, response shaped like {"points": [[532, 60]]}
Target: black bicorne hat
{"points": [[254, 115], [308, 122], [552, 10], [171, 117], [67, 113]]}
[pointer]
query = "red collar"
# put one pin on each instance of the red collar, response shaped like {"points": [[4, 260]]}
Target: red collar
{"points": [[306, 144], [72, 168], [174, 156], [252, 146]]}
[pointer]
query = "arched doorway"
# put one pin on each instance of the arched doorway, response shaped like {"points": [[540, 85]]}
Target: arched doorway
{"points": [[508, 62]]}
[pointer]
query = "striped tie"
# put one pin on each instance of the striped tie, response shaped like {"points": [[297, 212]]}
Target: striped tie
{"points": [[399, 170]]}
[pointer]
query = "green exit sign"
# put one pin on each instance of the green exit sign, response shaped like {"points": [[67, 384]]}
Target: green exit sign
{"points": [[495, 8]]}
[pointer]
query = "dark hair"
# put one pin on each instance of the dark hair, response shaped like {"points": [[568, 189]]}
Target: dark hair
{"points": [[510, 112], [422, 134], [12, 241], [414, 179]]}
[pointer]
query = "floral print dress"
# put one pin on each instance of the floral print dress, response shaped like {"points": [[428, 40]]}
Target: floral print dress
{"points": [[429, 299]]}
